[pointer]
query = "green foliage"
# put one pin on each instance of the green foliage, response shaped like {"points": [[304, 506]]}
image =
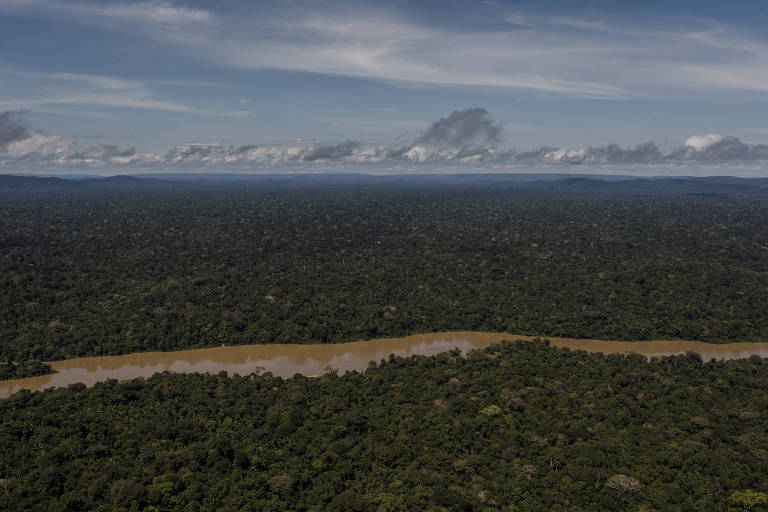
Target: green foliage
{"points": [[574, 431], [11, 370], [748, 500], [491, 410], [111, 272]]}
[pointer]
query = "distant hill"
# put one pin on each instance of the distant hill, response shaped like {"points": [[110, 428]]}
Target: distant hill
{"points": [[21, 184], [715, 185], [34, 183]]}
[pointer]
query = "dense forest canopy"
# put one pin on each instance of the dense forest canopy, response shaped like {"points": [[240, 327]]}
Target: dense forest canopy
{"points": [[11, 370], [117, 269], [518, 427], [127, 266]]}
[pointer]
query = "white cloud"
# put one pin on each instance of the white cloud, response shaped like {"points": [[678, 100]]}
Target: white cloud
{"points": [[701, 142], [38, 146]]}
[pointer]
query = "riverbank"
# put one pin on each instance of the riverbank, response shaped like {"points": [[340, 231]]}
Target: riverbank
{"points": [[309, 360]]}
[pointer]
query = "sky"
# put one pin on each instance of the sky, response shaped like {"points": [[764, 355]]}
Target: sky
{"points": [[652, 87]]}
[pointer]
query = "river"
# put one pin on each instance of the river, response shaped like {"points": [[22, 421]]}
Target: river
{"points": [[288, 360]]}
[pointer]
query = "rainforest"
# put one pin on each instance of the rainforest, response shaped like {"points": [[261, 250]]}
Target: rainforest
{"points": [[155, 265], [517, 427], [138, 265]]}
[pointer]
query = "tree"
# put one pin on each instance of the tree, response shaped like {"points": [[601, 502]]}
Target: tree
{"points": [[747, 500]]}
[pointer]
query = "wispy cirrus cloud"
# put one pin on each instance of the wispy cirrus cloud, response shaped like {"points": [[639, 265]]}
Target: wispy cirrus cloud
{"points": [[101, 91], [137, 99], [618, 57], [382, 47], [154, 12]]}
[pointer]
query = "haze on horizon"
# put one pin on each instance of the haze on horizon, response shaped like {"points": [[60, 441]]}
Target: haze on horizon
{"points": [[312, 86]]}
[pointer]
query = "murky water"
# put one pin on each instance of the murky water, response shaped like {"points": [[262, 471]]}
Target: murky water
{"points": [[288, 360]]}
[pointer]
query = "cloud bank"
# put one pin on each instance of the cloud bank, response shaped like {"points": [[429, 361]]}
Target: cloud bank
{"points": [[466, 139]]}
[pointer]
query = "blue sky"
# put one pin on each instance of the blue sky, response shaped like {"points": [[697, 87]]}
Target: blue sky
{"points": [[115, 86]]}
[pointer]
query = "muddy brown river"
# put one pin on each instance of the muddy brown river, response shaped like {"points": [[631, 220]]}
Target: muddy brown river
{"points": [[288, 360]]}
